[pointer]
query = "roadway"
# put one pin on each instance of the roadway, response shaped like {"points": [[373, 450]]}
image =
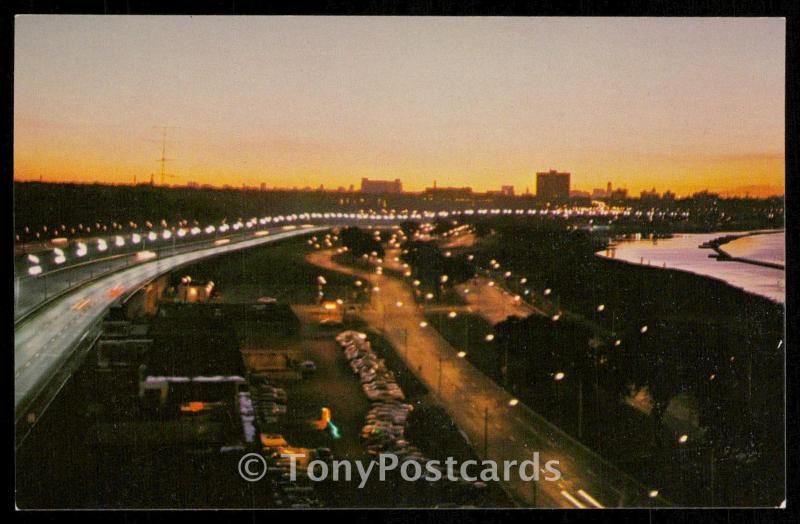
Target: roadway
{"points": [[473, 401], [45, 341]]}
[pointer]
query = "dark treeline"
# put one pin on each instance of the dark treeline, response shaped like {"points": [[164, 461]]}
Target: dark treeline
{"points": [[38, 204], [359, 242], [429, 265]]}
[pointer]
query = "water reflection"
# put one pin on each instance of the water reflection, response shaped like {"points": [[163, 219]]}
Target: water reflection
{"points": [[683, 252]]}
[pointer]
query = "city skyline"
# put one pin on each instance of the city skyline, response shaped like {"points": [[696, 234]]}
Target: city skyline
{"points": [[680, 104]]}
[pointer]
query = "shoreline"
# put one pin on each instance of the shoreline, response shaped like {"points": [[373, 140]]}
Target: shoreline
{"points": [[603, 254], [724, 256]]}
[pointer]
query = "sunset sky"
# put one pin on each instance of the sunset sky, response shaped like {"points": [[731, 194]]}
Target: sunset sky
{"points": [[680, 104]]}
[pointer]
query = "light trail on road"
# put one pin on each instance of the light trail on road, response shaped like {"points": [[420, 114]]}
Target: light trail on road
{"points": [[44, 342]]}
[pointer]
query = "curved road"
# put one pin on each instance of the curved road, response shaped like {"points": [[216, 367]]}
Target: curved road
{"points": [[476, 403], [43, 343]]}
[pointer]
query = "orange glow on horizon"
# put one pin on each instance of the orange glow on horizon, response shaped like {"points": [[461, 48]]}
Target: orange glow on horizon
{"points": [[680, 104], [758, 175]]}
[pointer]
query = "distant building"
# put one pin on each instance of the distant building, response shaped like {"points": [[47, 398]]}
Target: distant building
{"points": [[447, 193], [263, 186], [507, 190], [668, 195], [649, 195], [381, 186], [192, 185], [705, 195], [577, 193], [619, 194], [599, 193], [552, 185]]}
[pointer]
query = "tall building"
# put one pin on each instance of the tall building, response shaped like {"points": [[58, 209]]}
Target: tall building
{"points": [[381, 186], [507, 190], [552, 185]]}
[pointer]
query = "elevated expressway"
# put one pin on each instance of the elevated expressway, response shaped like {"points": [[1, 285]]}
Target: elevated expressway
{"points": [[51, 338]]}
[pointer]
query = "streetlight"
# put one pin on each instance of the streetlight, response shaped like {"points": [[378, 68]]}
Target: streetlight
{"points": [[513, 402], [489, 337]]}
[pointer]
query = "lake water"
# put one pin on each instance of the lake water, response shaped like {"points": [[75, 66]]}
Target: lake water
{"points": [[683, 252]]}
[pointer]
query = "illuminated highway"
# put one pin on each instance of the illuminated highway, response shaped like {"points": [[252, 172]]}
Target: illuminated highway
{"points": [[45, 341], [477, 403]]}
